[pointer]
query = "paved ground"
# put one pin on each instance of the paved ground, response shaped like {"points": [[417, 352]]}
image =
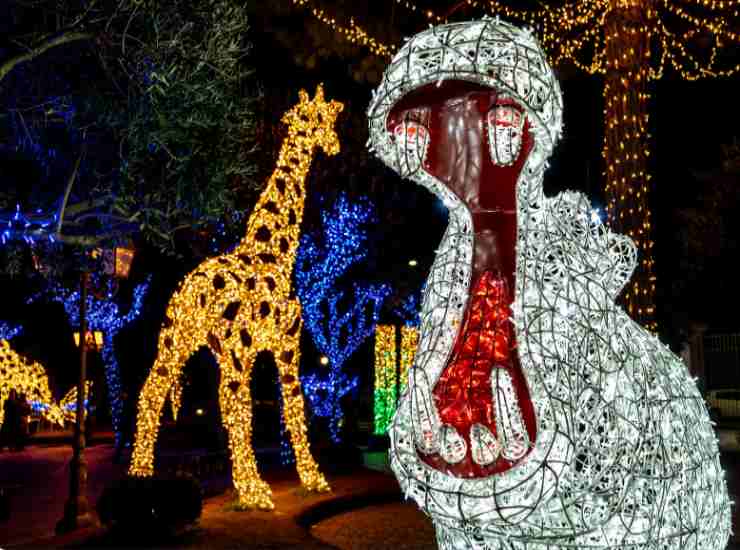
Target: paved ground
{"points": [[400, 526], [363, 512], [38, 481]]}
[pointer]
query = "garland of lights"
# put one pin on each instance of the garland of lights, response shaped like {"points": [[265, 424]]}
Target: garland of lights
{"points": [[615, 38], [102, 315], [239, 304], [28, 378], [336, 331], [384, 396], [624, 454]]}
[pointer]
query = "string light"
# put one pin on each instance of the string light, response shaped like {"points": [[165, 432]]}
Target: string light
{"points": [[68, 403], [352, 32], [28, 378], [337, 321], [104, 315], [613, 38], [385, 377], [9, 331], [239, 304], [386, 383], [625, 455], [409, 341]]}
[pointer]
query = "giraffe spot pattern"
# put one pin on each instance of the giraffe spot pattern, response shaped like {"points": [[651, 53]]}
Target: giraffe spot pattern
{"points": [[245, 338], [231, 310], [262, 234], [294, 327], [214, 343], [270, 283], [264, 309], [237, 364], [284, 245]]}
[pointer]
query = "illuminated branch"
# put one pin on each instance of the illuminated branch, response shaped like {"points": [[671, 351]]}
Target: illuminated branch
{"points": [[337, 328]]}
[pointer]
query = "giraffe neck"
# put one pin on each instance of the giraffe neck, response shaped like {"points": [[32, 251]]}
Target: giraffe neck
{"points": [[274, 226]]}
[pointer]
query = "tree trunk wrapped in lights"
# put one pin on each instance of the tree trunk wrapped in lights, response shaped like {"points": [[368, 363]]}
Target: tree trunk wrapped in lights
{"points": [[626, 148]]}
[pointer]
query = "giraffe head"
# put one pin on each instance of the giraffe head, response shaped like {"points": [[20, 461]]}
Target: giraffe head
{"points": [[314, 120]]}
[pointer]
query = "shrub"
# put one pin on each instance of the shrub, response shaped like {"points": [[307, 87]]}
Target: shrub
{"points": [[160, 503]]}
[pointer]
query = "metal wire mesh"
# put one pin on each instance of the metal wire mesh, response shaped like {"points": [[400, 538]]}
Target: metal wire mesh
{"points": [[625, 455]]}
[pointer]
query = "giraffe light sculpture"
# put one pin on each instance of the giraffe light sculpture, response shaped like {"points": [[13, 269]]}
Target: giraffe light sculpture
{"points": [[26, 377], [537, 415], [241, 303]]}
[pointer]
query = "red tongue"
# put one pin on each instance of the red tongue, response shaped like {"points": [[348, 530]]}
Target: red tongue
{"points": [[463, 393]]}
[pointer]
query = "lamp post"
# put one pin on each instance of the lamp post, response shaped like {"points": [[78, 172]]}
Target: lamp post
{"points": [[77, 509]]}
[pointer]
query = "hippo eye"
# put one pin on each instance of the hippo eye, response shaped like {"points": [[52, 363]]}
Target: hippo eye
{"points": [[420, 116], [505, 127]]}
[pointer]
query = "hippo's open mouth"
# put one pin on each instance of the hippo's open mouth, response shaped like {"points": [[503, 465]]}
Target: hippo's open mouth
{"points": [[486, 416]]}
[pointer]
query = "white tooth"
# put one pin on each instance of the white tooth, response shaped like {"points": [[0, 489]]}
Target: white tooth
{"points": [[422, 407], [484, 446], [453, 448], [505, 127], [509, 419]]}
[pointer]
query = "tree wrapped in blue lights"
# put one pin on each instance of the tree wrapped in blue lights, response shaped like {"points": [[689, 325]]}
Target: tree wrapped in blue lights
{"points": [[9, 331], [105, 315], [339, 317]]}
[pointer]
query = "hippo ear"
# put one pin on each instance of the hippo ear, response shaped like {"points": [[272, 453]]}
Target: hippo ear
{"points": [[505, 128]]}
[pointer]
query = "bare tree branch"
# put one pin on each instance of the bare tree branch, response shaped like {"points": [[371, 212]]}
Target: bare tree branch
{"points": [[41, 48], [67, 191]]}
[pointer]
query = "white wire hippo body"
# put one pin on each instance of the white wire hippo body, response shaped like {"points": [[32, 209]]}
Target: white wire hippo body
{"points": [[624, 454]]}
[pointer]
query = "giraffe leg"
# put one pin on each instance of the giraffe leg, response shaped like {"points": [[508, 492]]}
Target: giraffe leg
{"points": [[163, 375], [236, 413], [287, 360]]}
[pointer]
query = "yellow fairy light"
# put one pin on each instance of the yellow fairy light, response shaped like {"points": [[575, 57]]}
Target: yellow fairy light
{"points": [[409, 341], [385, 395], [612, 38], [385, 377], [241, 303], [68, 404], [26, 377]]}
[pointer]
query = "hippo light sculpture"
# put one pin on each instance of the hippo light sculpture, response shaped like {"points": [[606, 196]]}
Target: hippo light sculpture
{"points": [[537, 415]]}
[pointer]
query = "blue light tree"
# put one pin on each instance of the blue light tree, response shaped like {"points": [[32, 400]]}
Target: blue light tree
{"points": [[338, 316], [105, 315], [9, 331]]}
